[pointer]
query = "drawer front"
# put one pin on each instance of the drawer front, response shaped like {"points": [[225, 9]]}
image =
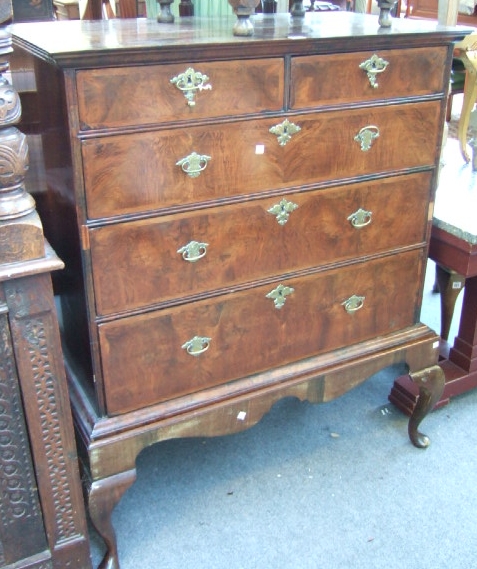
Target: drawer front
{"points": [[146, 262], [343, 78], [145, 358], [157, 170], [133, 96]]}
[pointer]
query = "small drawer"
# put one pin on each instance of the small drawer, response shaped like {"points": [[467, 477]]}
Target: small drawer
{"points": [[179, 167], [133, 96], [147, 262], [320, 80], [168, 353]]}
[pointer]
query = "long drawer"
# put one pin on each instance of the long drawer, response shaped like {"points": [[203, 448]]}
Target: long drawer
{"points": [[168, 353], [170, 168], [318, 80], [132, 96], [140, 263]]}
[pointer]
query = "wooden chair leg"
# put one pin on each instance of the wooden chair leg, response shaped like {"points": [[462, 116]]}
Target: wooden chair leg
{"points": [[470, 96]]}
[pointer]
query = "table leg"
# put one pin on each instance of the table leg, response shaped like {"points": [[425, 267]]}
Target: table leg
{"points": [[464, 351], [450, 284]]}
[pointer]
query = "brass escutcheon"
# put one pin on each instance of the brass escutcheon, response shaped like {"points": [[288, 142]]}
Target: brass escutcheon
{"points": [[353, 303], [190, 82], [282, 210], [366, 136], [360, 218], [193, 251], [373, 66], [279, 295], [194, 164], [197, 345], [284, 131]]}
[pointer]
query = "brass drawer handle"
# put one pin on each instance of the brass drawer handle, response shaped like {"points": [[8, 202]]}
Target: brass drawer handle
{"points": [[279, 295], [360, 218], [282, 210], [353, 304], [284, 131], [193, 251], [194, 164], [197, 345], [190, 82], [373, 66], [366, 136]]}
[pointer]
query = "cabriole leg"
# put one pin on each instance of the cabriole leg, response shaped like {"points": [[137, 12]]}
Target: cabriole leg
{"points": [[103, 496], [431, 385]]}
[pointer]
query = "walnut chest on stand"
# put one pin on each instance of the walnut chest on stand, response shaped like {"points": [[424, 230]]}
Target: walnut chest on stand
{"points": [[241, 219]]}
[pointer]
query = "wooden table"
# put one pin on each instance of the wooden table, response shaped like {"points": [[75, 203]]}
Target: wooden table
{"points": [[453, 246]]}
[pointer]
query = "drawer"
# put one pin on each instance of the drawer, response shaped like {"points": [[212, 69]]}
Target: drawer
{"points": [[133, 96], [152, 261], [157, 170], [318, 80], [145, 358]]}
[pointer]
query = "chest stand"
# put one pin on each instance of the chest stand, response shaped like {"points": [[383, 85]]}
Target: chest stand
{"points": [[109, 457]]}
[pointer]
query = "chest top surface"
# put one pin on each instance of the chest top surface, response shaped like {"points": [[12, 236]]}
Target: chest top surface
{"points": [[81, 43]]}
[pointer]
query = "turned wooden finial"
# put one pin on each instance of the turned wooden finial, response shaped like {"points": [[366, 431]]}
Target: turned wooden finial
{"points": [[21, 232]]}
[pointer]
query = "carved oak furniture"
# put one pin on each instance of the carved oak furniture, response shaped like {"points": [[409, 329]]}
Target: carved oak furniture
{"points": [[241, 219], [42, 522]]}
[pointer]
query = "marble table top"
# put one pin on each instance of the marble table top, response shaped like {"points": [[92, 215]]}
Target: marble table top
{"points": [[455, 209]]}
